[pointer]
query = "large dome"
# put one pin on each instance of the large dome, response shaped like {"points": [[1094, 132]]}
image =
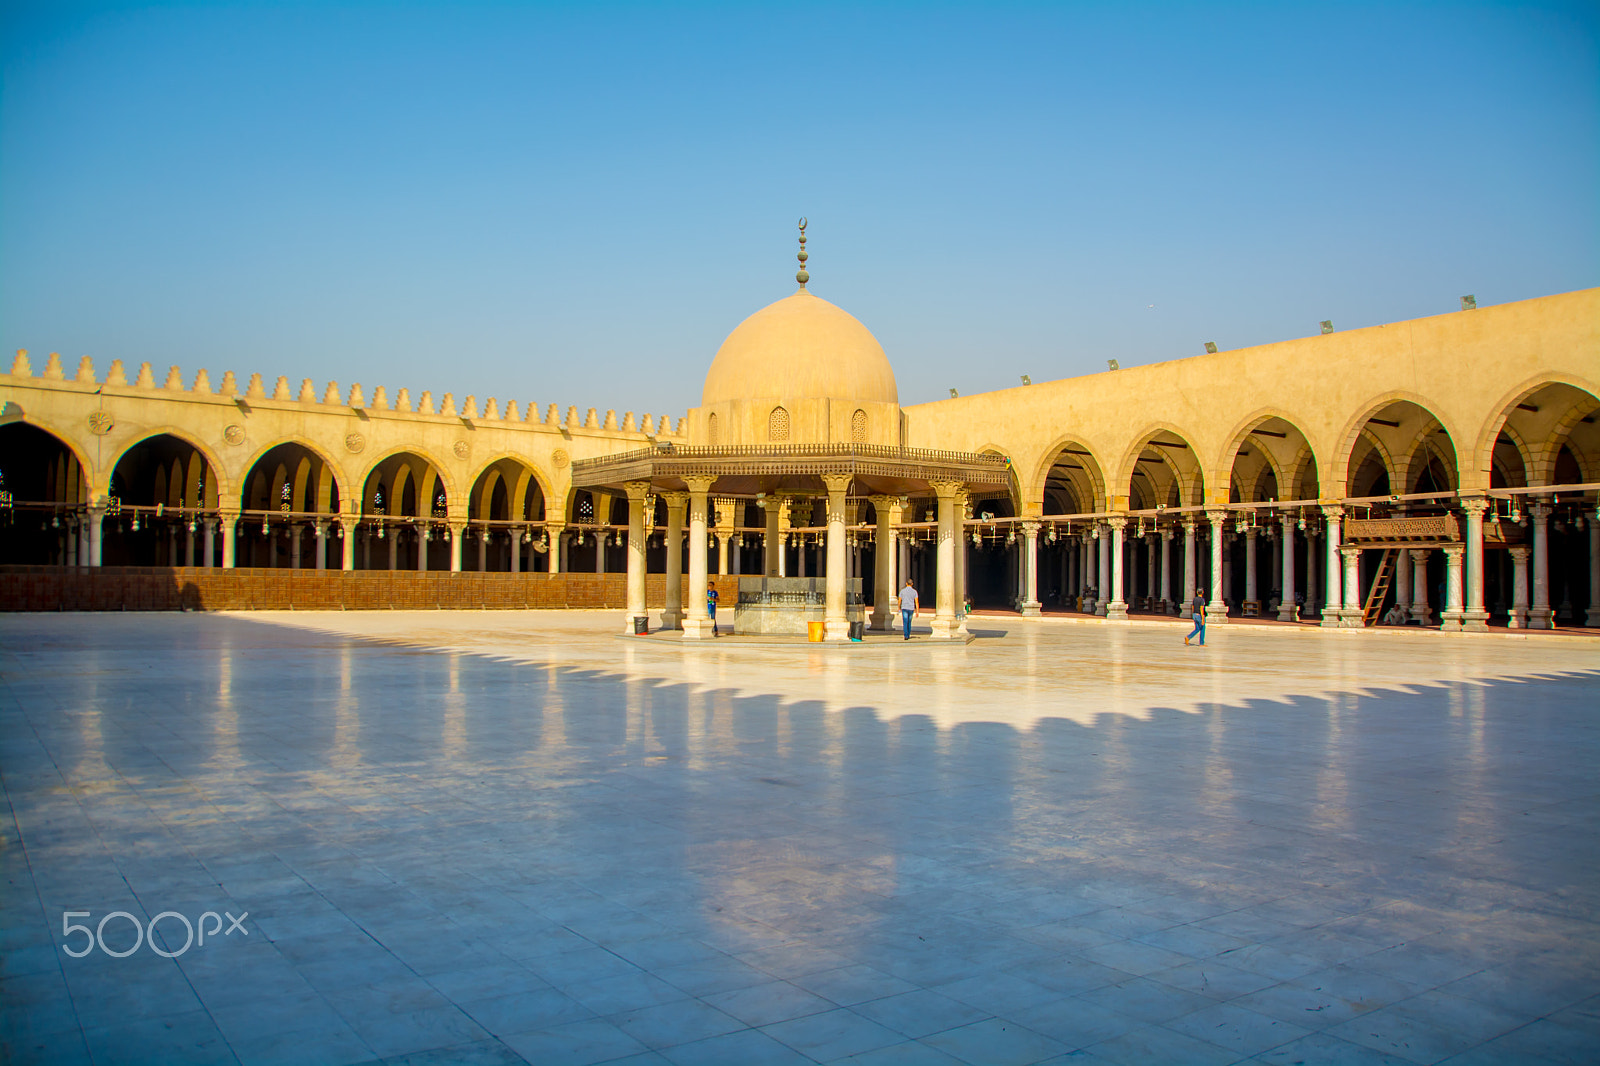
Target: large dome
{"points": [[800, 347]]}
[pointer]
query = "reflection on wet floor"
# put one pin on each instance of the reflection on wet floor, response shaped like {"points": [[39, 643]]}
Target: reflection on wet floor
{"points": [[517, 837]]}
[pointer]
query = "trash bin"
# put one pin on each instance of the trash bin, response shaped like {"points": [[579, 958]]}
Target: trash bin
{"points": [[641, 626], [814, 632], [857, 629]]}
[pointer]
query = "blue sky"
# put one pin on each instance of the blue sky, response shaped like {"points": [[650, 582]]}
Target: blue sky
{"points": [[576, 203]]}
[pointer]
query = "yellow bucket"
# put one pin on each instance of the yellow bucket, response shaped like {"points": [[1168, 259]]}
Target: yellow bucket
{"points": [[814, 631]]}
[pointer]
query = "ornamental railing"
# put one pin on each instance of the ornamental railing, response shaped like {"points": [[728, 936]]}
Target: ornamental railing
{"points": [[668, 450]]}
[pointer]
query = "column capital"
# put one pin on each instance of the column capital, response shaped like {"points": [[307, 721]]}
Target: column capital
{"points": [[676, 498], [1419, 555], [1540, 510], [1217, 518], [1030, 528], [946, 490], [1520, 552], [1453, 551], [1332, 510], [636, 490], [699, 484], [1251, 532], [1350, 551], [1117, 522], [837, 483], [1474, 505]]}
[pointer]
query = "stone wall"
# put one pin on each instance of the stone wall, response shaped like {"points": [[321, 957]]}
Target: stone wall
{"points": [[57, 588]]}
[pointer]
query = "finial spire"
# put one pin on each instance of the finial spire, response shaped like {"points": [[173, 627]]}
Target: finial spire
{"points": [[802, 277]]}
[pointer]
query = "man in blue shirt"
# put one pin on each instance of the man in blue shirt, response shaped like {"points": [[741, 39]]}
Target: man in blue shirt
{"points": [[908, 606], [711, 608]]}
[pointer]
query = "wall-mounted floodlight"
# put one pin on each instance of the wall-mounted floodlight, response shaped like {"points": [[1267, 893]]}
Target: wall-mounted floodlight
{"points": [[1112, 364], [1211, 347], [954, 394], [1327, 326], [1469, 303], [1026, 380]]}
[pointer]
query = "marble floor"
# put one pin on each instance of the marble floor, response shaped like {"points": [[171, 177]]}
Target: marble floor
{"points": [[463, 837]]}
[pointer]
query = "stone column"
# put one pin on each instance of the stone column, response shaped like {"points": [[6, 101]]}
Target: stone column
{"points": [[516, 549], [555, 532], [91, 529], [1352, 587], [321, 528], [1091, 569], [1030, 569], [1105, 590], [1451, 616], [836, 620], [1420, 612], [1519, 587], [348, 523], [963, 513], [230, 540], [945, 624], [884, 614], [210, 554], [1277, 561], [1475, 616], [1402, 580], [393, 537], [1251, 594], [424, 538], [1311, 571], [1332, 596], [1217, 609], [455, 530], [296, 535], [637, 491], [772, 539], [1191, 563], [483, 550], [1117, 606], [1288, 610], [1540, 615], [1593, 618], [1166, 570], [696, 623], [93, 520], [672, 612]]}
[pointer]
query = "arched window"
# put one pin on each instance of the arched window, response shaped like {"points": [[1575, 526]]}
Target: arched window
{"points": [[778, 424], [711, 430], [858, 427]]}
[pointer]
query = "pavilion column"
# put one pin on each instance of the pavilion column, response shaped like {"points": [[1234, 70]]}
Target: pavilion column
{"points": [[294, 546], [424, 538], [1451, 616], [483, 550], [1029, 604], [210, 554], [394, 546], [771, 540], [672, 612], [456, 531], [516, 549], [945, 624], [555, 533], [1539, 616], [696, 622], [1475, 616], [1217, 609], [347, 523], [1352, 586], [1251, 595], [835, 616], [963, 514], [1117, 606], [637, 491], [1288, 610], [1593, 614], [230, 540], [722, 553], [1190, 563], [321, 526], [1332, 597], [1519, 587], [1103, 587], [91, 527], [884, 614], [1420, 613]]}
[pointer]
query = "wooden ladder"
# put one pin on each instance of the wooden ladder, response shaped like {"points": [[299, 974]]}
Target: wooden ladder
{"points": [[1380, 588]]}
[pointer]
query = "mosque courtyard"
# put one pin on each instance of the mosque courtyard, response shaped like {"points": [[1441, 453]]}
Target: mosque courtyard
{"points": [[497, 837]]}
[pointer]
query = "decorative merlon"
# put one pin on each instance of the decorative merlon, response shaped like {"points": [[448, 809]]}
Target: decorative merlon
{"points": [[402, 400], [174, 382], [425, 403], [380, 399], [330, 395], [116, 376], [52, 368], [202, 382], [357, 397], [85, 371], [20, 368], [146, 378], [230, 384]]}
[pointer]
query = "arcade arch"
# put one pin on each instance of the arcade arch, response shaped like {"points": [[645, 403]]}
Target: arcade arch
{"points": [[282, 500], [43, 489], [506, 497], [167, 491], [404, 507]]}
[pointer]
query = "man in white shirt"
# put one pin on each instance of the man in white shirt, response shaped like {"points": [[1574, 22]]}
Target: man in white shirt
{"points": [[908, 606]]}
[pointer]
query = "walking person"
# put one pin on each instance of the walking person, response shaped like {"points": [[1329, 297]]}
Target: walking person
{"points": [[908, 606], [1197, 610], [711, 608]]}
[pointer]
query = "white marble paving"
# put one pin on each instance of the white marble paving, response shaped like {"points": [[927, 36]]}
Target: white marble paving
{"points": [[501, 837]]}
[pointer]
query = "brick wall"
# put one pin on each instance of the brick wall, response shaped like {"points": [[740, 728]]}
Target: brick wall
{"points": [[59, 588]]}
